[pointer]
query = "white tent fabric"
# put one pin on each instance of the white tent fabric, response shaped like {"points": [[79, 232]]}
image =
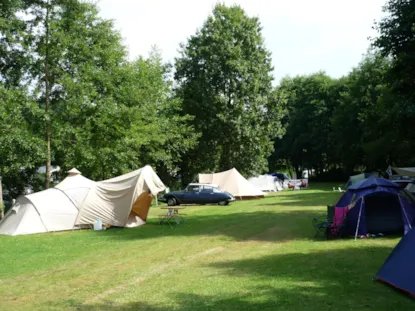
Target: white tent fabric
{"points": [[121, 201], [77, 200], [264, 183], [44, 211], [54, 209], [233, 182], [405, 171], [76, 187], [73, 171]]}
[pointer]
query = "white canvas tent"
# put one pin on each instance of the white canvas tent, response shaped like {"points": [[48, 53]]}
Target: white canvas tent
{"points": [[122, 201], [265, 183], [233, 182], [76, 186], [405, 171], [54, 209]]}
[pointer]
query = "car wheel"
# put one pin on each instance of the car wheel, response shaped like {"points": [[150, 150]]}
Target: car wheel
{"points": [[223, 203], [171, 202]]}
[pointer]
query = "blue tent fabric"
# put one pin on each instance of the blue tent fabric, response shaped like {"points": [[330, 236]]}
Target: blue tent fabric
{"points": [[398, 270], [370, 189]]}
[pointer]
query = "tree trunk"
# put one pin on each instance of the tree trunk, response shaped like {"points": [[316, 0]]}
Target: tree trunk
{"points": [[47, 100], [226, 158]]}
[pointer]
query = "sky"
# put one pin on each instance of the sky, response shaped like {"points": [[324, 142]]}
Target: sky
{"points": [[304, 36]]}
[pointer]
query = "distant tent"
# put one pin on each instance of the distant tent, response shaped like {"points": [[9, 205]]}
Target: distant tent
{"points": [[398, 269], [123, 201], [266, 183], [54, 209], [405, 171], [356, 178], [233, 182], [376, 205], [278, 185]]}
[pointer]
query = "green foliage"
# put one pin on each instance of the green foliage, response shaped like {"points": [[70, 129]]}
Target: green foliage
{"points": [[224, 78], [22, 148], [76, 89], [396, 40], [137, 124], [341, 123], [310, 104]]}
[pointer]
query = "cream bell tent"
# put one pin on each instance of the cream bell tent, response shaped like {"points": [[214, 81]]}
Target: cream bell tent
{"points": [[234, 183], [122, 201], [265, 183], [54, 209]]}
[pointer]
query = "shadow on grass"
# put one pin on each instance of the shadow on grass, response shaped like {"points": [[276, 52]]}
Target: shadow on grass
{"points": [[260, 225], [304, 198], [324, 280]]}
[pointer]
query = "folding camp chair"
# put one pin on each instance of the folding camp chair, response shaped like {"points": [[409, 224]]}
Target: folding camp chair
{"points": [[325, 226], [321, 226]]}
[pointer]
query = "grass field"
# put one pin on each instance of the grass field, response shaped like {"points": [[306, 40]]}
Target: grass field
{"points": [[251, 255]]}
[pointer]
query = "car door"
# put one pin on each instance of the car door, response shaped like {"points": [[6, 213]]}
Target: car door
{"points": [[192, 195], [207, 195]]}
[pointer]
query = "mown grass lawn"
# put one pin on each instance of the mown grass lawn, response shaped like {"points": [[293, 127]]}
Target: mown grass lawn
{"points": [[252, 255]]}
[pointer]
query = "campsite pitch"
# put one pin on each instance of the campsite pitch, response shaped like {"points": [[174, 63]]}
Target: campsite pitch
{"points": [[251, 255]]}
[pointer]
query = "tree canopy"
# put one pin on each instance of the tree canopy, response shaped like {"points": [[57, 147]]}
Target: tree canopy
{"points": [[70, 96], [224, 77]]}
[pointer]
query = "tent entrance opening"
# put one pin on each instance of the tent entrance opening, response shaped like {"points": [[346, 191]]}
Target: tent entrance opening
{"points": [[383, 214]]}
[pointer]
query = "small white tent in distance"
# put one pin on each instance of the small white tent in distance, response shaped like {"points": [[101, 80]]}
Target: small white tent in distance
{"points": [[265, 183], [54, 209]]}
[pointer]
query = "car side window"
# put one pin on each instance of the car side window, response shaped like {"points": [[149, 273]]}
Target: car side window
{"points": [[207, 189], [217, 190], [193, 188]]}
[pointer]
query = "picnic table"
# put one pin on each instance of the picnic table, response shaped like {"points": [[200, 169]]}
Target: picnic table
{"points": [[172, 214]]}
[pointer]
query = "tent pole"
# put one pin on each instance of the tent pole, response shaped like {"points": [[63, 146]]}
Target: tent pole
{"points": [[406, 216], [358, 220]]}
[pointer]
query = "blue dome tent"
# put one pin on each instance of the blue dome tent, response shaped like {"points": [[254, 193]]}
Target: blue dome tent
{"points": [[376, 205], [398, 270]]}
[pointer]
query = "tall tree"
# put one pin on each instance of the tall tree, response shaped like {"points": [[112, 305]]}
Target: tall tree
{"points": [[310, 103], [224, 77], [362, 136], [396, 40], [138, 123], [67, 51]]}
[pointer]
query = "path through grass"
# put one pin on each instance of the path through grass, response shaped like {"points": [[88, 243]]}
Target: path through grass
{"points": [[252, 255]]}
